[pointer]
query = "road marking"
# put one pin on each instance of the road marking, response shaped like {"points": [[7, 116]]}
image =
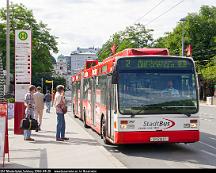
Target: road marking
{"points": [[214, 155], [207, 145], [212, 138]]}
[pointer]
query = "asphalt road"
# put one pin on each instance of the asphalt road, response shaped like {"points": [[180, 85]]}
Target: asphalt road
{"points": [[196, 155]]}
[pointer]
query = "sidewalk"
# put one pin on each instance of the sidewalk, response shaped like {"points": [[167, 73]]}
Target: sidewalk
{"points": [[81, 151], [204, 103]]}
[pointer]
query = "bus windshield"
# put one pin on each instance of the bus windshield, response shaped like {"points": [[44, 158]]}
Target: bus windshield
{"points": [[155, 88]]}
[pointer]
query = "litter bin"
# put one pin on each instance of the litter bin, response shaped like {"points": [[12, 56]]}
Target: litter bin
{"points": [[209, 100]]}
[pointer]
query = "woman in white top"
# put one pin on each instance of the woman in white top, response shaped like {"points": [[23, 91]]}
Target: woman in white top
{"points": [[59, 102]]}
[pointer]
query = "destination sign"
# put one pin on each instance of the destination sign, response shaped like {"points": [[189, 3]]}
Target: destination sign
{"points": [[154, 63]]}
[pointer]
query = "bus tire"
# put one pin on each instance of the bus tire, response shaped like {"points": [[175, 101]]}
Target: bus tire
{"points": [[103, 131], [84, 120]]}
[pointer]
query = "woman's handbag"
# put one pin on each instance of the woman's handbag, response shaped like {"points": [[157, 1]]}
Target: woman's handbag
{"points": [[29, 124], [63, 106], [64, 109]]}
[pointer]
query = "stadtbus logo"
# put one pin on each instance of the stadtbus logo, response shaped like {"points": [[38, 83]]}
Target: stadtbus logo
{"points": [[159, 125], [23, 35]]}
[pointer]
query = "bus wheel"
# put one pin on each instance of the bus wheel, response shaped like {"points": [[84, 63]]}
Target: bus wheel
{"points": [[103, 131], [84, 120]]}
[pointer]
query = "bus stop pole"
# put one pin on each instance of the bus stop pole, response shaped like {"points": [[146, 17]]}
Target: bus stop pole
{"points": [[52, 93]]}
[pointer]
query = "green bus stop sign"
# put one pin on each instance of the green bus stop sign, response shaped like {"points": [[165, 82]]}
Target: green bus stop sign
{"points": [[23, 35]]}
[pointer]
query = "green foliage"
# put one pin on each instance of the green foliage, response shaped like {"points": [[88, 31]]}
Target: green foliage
{"points": [[58, 81], [136, 36], [42, 41], [11, 100], [209, 71], [199, 31]]}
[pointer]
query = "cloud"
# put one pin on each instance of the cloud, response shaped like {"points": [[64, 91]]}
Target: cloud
{"points": [[92, 22]]}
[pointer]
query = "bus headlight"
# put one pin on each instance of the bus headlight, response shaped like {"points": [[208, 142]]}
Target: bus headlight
{"points": [[193, 123], [123, 124]]}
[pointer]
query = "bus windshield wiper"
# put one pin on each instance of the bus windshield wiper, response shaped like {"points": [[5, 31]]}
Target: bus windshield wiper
{"points": [[177, 107], [142, 109]]}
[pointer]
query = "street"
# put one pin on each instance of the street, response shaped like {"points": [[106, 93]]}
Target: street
{"points": [[132, 76], [196, 155]]}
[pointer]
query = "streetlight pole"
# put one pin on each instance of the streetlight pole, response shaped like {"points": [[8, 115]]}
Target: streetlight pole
{"points": [[42, 83], [52, 94], [183, 42], [8, 50], [183, 31]]}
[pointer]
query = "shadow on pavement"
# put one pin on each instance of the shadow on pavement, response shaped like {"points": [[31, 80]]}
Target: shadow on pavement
{"points": [[26, 156], [11, 165], [71, 141], [203, 152], [45, 131]]}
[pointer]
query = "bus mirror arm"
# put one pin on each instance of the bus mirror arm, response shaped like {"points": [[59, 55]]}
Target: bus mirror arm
{"points": [[188, 115], [115, 77]]}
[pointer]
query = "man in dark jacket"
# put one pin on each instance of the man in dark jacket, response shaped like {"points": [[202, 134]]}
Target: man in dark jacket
{"points": [[48, 100]]}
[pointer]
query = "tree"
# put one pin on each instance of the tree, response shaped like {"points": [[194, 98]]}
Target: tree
{"points": [[2, 82], [136, 36], [200, 32], [42, 41]]}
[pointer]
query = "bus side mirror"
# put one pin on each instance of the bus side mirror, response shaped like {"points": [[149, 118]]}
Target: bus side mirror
{"points": [[115, 77]]}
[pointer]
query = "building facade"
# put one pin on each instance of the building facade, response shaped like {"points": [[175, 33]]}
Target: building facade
{"points": [[79, 57], [67, 66], [61, 67]]}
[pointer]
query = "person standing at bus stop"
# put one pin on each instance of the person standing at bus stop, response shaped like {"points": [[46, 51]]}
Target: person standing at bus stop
{"points": [[29, 111], [39, 106], [59, 103], [48, 99]]}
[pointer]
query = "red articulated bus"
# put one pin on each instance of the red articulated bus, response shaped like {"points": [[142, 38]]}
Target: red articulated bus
{"points": [[139, 95]]}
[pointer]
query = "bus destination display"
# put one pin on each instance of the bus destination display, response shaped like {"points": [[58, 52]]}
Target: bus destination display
{"points": [[153, 63]]}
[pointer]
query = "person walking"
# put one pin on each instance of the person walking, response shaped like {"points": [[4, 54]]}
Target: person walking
{"points": [[59, 103], [48, 99], [39, 106], [29, 111]]}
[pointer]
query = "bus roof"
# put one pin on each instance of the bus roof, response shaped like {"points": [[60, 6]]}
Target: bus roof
{"points": [[108, 62], [140, 51]]}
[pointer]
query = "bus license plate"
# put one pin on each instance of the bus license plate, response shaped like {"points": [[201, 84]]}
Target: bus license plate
{"points": [[159, 139]]}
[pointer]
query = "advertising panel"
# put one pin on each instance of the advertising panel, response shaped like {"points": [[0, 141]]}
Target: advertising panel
{"points": [[3, 114]]}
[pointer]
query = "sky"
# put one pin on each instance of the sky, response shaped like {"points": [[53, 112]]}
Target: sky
{"points": [[88, 23]]}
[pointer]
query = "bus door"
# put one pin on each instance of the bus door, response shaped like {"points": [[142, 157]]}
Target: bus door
{"points": [[110, 108], [81, 99], [76, 98], [93, 97]]}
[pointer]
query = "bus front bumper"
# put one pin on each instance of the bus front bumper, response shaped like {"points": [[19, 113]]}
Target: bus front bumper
{"points": [[189, 136]]}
